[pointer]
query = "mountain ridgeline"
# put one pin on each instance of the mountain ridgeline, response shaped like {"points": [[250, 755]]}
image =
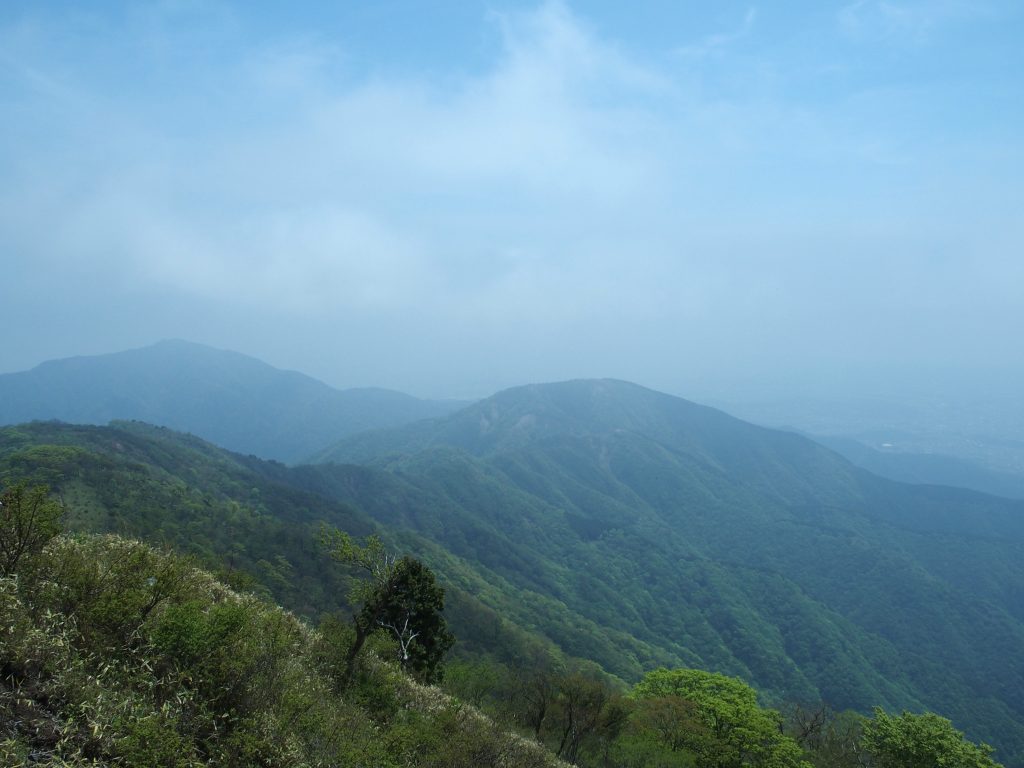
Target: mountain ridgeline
{"points": [[231, 399], [596, 520], [690, 537]]}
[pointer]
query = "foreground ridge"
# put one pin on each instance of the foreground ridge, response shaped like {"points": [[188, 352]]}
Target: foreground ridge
{"points": [[116, 653]]}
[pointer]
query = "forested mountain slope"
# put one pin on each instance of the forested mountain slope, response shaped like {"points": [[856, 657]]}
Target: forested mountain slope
{"points": [[241, 516], [233, 400], [627, 527], [117, 653], [719, 545]]}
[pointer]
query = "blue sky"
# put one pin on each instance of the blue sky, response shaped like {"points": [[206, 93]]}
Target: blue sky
{"points": [[448, 198]]}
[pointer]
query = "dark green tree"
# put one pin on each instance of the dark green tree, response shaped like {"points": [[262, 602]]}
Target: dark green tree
{"points": [[399, 596], [410, 610], [921, 741]]}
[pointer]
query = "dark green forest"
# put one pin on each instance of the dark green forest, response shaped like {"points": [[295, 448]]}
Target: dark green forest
{"points": [[566, 586], [705, 541], [117, 653]]}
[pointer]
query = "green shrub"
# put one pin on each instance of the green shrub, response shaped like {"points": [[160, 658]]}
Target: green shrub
{"points": [[155, 740]]}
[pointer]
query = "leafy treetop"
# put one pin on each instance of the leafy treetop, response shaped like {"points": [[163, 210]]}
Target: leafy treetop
{"points": [[730, 729], [922, 741]]}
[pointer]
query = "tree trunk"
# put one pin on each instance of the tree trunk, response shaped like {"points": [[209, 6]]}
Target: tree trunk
{"points": [[353, 654]]}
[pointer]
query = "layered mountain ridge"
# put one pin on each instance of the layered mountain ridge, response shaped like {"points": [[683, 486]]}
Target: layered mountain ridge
{"points": [[231, 399], [634, 529]]}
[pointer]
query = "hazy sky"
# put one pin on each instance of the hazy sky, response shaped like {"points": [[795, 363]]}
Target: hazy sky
{"points": [[452, 197]]}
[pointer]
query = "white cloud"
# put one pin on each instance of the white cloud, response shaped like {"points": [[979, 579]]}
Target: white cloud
{"points": [[368, 193], [568, 186]]}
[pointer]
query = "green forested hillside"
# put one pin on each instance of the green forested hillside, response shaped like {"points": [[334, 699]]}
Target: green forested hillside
{"points": [[679, 538], [235, 401], [713, 543], [237, 515], [115, 653]]}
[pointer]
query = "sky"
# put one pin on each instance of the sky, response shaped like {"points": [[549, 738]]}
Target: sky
{"points": [[449, 198]]}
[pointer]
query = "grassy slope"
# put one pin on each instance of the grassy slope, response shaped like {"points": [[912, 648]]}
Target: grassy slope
{"points": [[116, 654]]}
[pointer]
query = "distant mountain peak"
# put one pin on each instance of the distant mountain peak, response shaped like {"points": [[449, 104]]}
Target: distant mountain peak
{"points": [[578, 408], [232, 399]]}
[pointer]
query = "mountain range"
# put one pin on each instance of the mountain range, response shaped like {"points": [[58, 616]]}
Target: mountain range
{"points": [[231, 399], [621, 525]]}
